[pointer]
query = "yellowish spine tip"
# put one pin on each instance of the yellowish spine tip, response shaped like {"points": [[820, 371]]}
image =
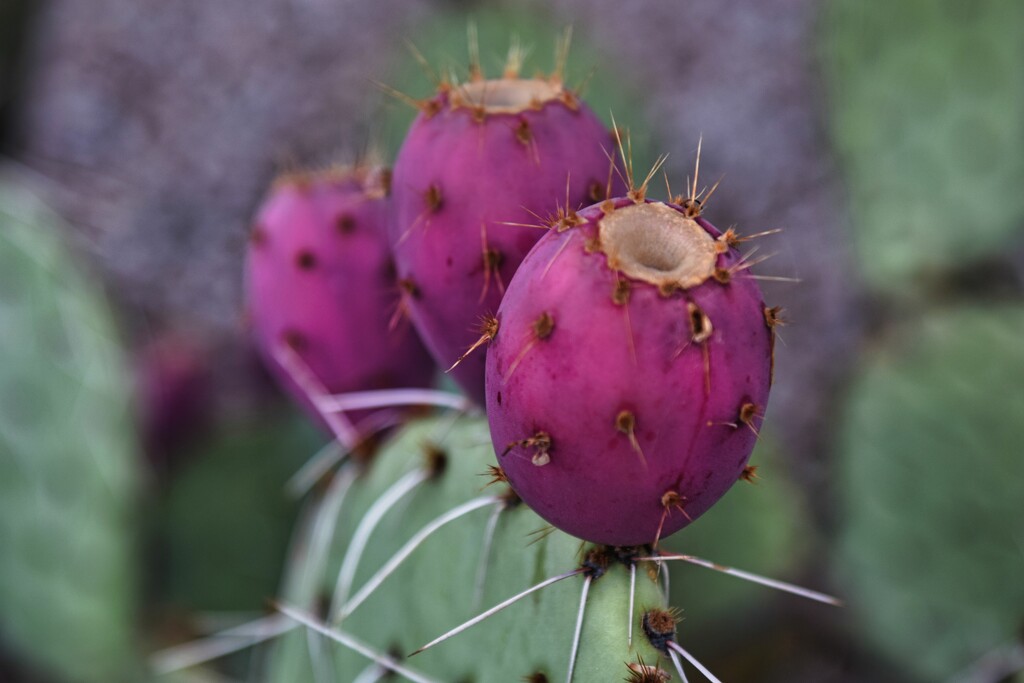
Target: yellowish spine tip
{"points": [[773, 317], [639, 672], [562, 45], [497, 475], [488, 331], [692, 208], [569, 99]]}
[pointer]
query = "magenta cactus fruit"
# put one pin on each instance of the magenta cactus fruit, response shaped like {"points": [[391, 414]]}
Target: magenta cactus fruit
{"points": [[321, 284], [629, 370], [173, 386], [480, 158]]}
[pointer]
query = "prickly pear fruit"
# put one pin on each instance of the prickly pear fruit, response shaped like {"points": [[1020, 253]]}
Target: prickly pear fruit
{"points": [[174, 389], [480, 155], [320, 283], [630, 370]]}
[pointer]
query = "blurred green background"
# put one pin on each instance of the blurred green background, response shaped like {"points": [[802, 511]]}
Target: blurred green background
{"points": [[143, 453]]}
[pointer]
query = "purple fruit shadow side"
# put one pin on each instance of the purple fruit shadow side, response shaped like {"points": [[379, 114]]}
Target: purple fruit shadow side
{"points": [[629, 373], [320, 280], [479, 157]]}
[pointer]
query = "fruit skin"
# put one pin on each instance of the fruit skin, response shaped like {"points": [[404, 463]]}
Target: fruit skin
{"points": [[459, 174], [319, 278], [600, 359]]}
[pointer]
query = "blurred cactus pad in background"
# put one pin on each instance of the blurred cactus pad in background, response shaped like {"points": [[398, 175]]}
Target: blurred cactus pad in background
{"points": [[931, 469], [238, 540], [69, 458], [926, 109]]}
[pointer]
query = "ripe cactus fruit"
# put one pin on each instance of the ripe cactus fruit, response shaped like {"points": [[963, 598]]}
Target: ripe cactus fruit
{"points": [[174, 387], [677, 346], [480, 155], [321, 286]]}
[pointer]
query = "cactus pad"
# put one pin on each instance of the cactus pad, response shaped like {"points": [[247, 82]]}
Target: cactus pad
{"points": [[762, 527], [68, 457], [435, 590], [227, 518], [926, 111], [933, 547]]}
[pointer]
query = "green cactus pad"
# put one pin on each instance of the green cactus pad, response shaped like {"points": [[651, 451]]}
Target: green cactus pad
{"points": [[434, 591], [761, 527], [933, 547], [227, 517], [68, 458], [926, 111]]}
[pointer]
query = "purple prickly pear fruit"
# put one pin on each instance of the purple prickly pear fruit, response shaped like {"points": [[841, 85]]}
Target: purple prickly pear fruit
{"points": [[174, 380], [321, 285], [629, 371], [482, 160]]}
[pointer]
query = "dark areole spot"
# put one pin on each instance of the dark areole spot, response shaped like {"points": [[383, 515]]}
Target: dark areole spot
{"points": [[294, 339], [305, 260], [345, 223], [258, 236]]}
